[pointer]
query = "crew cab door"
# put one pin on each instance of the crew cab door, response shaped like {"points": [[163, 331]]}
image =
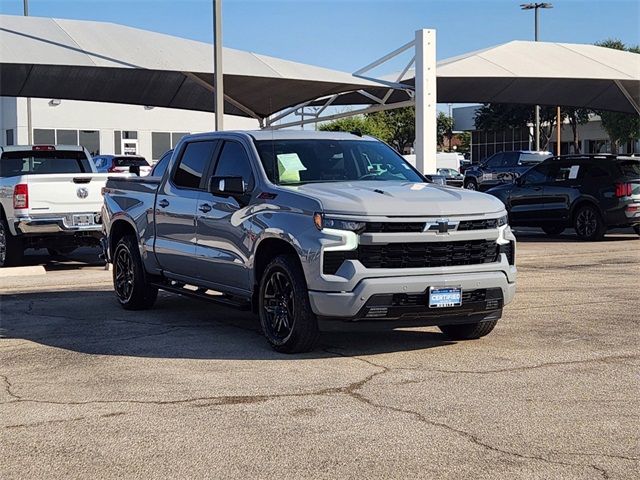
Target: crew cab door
{"points": [[175, 209], [223, 236], [526, 200]]}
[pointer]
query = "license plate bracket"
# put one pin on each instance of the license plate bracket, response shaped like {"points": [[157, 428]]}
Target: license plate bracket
{"points": [[445, 297], [83, 220]]}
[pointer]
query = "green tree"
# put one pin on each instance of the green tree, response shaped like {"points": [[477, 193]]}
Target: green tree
{"points": [[357, 123], [444, 128], [576, 116], [620, 127], [397, 126]]}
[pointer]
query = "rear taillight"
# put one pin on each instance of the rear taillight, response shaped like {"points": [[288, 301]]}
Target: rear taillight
{"points": [[112, 169], [624, 190], [21, 196]]}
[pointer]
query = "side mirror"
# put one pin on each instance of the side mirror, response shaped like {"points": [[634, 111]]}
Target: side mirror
{"points": [[227, 186]]}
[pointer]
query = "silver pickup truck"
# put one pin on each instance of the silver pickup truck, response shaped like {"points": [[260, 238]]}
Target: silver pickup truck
{"points": [[303, 227]]}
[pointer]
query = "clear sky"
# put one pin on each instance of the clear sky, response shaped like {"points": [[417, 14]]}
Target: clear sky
{"points": [[348, 34]]}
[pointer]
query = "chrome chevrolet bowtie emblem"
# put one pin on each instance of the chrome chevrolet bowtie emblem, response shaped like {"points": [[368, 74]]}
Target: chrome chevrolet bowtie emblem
{"points": [[441, 226], [82, 192]]}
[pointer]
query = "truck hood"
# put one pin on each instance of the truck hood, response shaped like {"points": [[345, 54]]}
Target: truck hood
{"points": [[390, 198]]}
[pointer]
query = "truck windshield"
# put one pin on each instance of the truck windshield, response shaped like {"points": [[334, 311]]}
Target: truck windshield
{"points": [[295, 162], [28, 162]]}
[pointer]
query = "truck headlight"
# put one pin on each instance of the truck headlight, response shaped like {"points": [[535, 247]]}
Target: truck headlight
{"points": [[322, 222], [502, 221]]}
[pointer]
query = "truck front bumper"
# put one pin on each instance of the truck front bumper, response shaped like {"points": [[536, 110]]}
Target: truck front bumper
{"points": [[394, 298], [47, 225]]}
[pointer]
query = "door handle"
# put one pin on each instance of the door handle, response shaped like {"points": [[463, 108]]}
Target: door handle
{"points": [[205, 208], [164, 203]]}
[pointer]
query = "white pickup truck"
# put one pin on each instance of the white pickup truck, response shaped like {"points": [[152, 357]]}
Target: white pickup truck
{"points": [[50, 197]]}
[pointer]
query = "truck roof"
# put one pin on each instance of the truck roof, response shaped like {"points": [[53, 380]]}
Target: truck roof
{"points": [[25, 148], [297, 135]]}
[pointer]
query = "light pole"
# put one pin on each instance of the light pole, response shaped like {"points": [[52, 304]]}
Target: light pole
{"points": [[25, 9], [217, 65], [536, 7]]}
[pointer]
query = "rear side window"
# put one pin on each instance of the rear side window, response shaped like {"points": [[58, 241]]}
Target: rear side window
{"points": [[43, 162], [234, 162], [193, 163], [161, 167], [629, 168]]}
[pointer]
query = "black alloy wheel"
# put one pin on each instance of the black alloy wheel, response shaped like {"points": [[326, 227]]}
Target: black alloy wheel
{"points": [[123, 274], [588, 223], [279, 305], [471, 185], [131, 283], [286, 317]]}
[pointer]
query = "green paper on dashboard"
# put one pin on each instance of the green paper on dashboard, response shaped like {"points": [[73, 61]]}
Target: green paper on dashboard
{"points": [[289, 167]]}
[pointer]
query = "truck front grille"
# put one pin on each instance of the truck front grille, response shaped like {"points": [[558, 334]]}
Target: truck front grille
{"points": [[394, 227], [415, 255], [478, 224]]}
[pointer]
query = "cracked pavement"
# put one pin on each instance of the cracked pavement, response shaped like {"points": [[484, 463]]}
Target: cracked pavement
{"points": [[191, 390]]}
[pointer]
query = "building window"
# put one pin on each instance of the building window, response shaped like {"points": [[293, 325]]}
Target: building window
{"points": [[9, 137], [90, 139], [42, 136], [176, 137], [160, 143], [67, 137], [129, 135], [117, 142]]}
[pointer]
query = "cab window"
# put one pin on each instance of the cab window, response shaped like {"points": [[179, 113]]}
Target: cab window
{"points": [[234, 162], [195, 159]]}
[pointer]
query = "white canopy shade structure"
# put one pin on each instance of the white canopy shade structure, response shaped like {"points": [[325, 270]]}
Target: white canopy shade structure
{"points": [[535, 73], [105, 62]]}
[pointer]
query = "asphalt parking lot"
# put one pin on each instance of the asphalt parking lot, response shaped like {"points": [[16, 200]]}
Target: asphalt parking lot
{"points": [[192, 390]]}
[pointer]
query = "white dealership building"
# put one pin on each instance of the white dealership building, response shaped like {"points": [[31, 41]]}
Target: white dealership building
{"points": [[106, 128]]}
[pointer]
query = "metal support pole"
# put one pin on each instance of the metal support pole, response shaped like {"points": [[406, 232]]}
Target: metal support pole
{"points": [[425, 97], [558, 130], [537, 107], [25, 7], [218, 84]]}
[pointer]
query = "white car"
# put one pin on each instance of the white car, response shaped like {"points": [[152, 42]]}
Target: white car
{"points": [[50, 197]]}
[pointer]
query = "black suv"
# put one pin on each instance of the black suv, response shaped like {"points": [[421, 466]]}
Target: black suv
{"points": [[501, 167], [590, 193]]}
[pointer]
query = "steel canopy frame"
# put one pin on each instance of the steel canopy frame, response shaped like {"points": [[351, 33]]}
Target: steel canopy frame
{"points": [[423, 96]]}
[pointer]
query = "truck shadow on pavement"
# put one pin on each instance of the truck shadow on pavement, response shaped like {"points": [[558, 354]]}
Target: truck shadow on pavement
{"points": [[92, 322], [534, 235]]}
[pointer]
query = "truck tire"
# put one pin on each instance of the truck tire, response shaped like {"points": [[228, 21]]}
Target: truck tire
{"points": [[468, 331], [589, 224], [130, 280], [11, 248], [285, 312], [471, 184]]}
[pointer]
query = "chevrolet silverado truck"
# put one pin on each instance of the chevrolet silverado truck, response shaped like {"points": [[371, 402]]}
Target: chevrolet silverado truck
{"points": [[50, 197], [305, 227]]}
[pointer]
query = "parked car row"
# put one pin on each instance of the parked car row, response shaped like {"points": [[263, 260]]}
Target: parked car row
{"points": [[590, 193]]}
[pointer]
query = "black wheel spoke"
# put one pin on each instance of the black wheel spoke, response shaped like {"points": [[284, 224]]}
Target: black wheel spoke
{"points": [[277, 304]]}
